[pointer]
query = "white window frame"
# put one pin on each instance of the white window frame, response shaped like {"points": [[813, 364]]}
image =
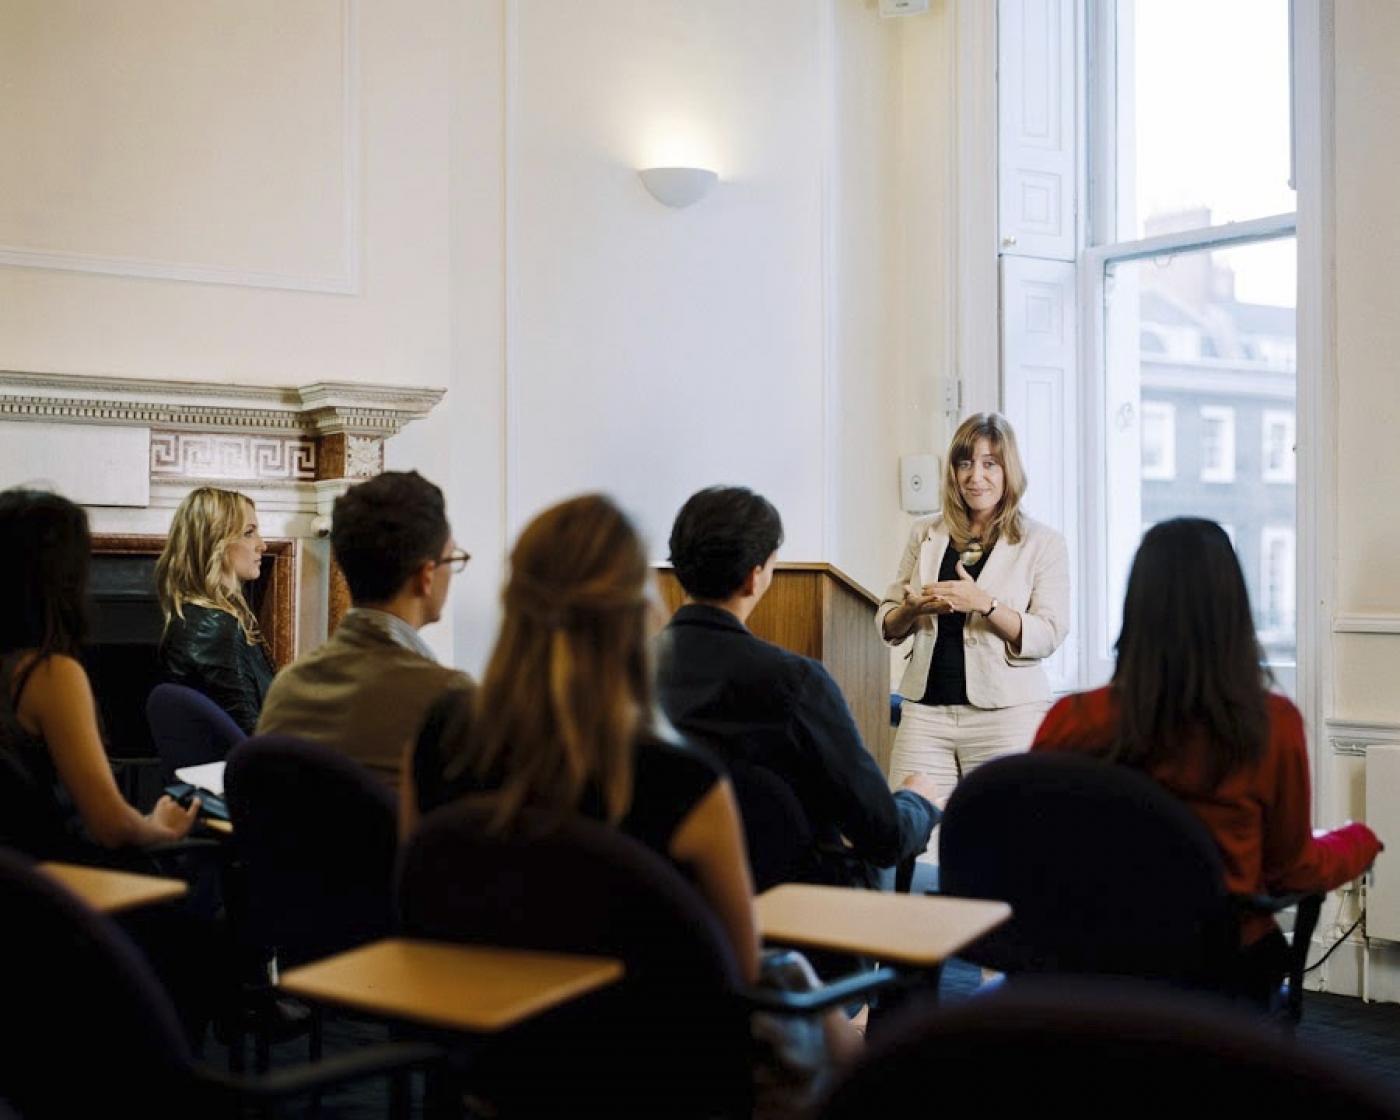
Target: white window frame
{"points": [[1224, 415], [1288, 471], [1098, 609], [1165, 469], [977, 35]]}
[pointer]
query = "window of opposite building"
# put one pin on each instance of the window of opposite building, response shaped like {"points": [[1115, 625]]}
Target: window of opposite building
{"points": [[1217, 443], [1278, 439], [1158, 441]]}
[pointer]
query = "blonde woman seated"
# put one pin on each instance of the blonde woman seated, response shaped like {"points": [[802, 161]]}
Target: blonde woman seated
{"points": [[59, 794], [563, 716], [212, 642]]}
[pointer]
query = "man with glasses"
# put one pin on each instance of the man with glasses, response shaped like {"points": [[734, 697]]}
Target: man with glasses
{"points": [[366, 691]]}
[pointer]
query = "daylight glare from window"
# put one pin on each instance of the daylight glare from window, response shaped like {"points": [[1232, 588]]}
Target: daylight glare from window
{"points": [[1208, 129], [1200, 341]]}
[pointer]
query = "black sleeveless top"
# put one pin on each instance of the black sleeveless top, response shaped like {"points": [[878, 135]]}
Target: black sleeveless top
{"points": [[669, 778], [37, 814], [947, 670]]}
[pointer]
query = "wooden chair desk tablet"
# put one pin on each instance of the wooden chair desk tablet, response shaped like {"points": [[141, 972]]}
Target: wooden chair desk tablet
{"points": [[920, 931], [111, 892], [460, 987]]}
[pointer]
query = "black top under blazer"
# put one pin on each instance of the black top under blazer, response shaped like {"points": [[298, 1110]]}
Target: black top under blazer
{"points": [[752, 701]]}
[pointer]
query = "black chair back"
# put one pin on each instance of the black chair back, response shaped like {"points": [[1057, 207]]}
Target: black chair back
{"points": [[1106, 872], [670, 1039], [91, 1030], [1051, 1046], [189, 729], [777, 832], [318, 834]]}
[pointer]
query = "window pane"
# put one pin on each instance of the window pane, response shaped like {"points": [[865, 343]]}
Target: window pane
{"points": [[1203, 425], [1203, 94]]}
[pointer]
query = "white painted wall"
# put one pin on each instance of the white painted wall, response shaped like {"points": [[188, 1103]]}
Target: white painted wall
{"points": [[655, 351], [307, 141], [500, 243], [395, 329], [1365, 677], [1367, 682], [865, 301]]}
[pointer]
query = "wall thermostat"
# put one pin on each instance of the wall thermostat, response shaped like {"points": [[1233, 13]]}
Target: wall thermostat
{"points": [[918, 483]]}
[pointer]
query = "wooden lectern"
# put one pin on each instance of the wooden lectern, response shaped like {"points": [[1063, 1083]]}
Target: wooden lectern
{"points": [[819, 611]]}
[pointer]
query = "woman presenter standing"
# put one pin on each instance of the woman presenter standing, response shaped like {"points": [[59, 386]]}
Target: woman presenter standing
{"points": [[985, 592]]}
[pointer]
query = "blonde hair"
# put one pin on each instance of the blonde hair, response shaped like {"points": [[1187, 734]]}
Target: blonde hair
{"points": [[1006, 522], [575, 621], [191, 570]]}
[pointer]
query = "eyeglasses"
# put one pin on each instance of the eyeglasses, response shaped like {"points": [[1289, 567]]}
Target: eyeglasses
{"points": [[457, 561]]}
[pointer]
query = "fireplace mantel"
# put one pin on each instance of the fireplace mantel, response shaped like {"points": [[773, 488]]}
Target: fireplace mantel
{"points": [[222, 432], [322, 408], [129, 449]]}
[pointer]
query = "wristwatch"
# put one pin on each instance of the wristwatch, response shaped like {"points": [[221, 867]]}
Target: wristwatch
{"points": [[995, 603]]}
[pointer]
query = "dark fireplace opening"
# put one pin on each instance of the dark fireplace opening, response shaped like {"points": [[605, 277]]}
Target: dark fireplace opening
{"points": [[122, 651]]}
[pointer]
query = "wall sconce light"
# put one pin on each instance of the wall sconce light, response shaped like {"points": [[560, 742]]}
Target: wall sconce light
{"points": [[678, 186]]}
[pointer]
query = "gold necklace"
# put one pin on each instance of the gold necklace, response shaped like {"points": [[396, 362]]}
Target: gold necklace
{"points": [[972, 554]]}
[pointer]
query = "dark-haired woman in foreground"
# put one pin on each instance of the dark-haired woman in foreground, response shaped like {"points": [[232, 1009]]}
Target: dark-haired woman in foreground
{"points": [[1189, 705], [49, 737]]}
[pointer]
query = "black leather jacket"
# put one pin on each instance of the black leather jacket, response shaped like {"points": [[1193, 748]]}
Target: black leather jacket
{"points": [[206, 650]]}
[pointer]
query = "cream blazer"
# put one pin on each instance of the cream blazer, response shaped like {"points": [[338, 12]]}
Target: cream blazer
{"points": [[1030, 577]]}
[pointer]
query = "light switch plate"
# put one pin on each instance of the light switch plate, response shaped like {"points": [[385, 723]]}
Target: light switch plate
{"points": [[918, 483], [889, 8]]}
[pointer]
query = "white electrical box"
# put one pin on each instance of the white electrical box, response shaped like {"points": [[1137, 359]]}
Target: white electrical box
{"points": [[890, 8], [918, 483], [1383, 815]]}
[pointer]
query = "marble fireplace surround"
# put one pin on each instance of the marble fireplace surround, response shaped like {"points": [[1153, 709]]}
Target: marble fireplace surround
{"points": [[130, 449]]}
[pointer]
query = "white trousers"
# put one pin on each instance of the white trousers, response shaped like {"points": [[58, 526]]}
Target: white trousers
{"points": [[949, 741]]}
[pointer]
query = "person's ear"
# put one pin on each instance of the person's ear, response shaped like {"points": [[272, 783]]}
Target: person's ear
{"points": [[751, 581], [423, 579]]}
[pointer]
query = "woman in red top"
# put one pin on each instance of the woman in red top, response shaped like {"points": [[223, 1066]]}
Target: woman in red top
{"points": [[1189, 704]]}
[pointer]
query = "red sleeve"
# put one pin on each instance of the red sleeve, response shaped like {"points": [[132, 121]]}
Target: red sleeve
{"points": [[1293, 859], [1074, 722], [1051, 732]]}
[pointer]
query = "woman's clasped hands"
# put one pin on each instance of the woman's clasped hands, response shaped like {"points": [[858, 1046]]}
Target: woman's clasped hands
{"points": [[946, 596]]}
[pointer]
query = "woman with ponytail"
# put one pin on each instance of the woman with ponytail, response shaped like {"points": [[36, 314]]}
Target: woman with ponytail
{"points": [[212, 642], [564, 719]]}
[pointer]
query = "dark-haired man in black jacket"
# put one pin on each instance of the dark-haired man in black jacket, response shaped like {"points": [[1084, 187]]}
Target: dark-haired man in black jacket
{"points": [[760, 705]]}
